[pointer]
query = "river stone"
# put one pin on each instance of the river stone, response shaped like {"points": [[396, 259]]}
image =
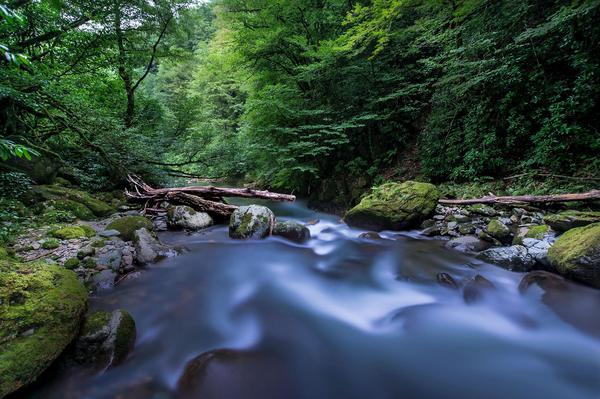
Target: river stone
{"points": [[483, 210], [476, 288], [111, 258], [293, 231], [184, 217], [568, 220], [576, 254], [468, 244], [252, 221], [40, 311], [497, 229], [394, 206], [109, 233], [147, 248], [127, 225], [446, 280], [105, 339], [105, 280], [514, 258]]}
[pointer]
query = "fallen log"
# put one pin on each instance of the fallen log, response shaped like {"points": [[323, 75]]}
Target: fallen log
{"points": [[593, 195], [203, 199]]}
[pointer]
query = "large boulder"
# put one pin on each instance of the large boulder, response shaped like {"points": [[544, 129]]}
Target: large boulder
{"points": [[65, 198], [147, 248], [105, 339], [293, 231], [252, 221], [568, 220], [576, 254], [127, 225], [184, 217], [394, 206], [41, 307]]}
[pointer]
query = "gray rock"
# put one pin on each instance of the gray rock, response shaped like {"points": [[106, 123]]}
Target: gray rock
{"points": [[184, 217], [148, 249], [105, 340], [293, 231], [105, 280], [468, 244], [515, 257], [111, 258], [252, 221], [452, 225], [109, 233], [160, 224]]}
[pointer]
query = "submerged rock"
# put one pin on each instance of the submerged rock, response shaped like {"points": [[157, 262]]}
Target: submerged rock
{"points": [[105, 340], [40, 311], [568, 220], [252, 221], [514, 258], [147, 248], [576, 254], [476, 288], [293, 231], [468, 244], [394, 206], [184, 217], [127, 225], [446, 280]]}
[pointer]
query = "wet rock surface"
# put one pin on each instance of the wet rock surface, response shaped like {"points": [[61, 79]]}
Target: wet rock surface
{"points": [[252, 221]]}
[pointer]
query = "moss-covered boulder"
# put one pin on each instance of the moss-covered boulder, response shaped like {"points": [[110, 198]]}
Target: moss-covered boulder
{"points": [[576, 254], [78, 210], [127, 225], [394, 206], [497, 229], [538, 232], [252, 221], [106, 339], [568, 220], [50, 243], [68, 233], [40, 311], [57, 194]]}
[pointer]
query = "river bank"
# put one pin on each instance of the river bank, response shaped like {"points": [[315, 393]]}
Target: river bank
{"points": [[124, 256]]}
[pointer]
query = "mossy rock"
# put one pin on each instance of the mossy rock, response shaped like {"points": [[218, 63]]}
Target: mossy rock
{"points": [[89, 230], [51, 243], [577, 254], [292, 230], [79, 210], [497, 229], [97, 207], [127, 225], [106, 339], [68, 233], [71, 263], [538, 232], [568, 220], [252, 221], [40, 312], [395, 206]]}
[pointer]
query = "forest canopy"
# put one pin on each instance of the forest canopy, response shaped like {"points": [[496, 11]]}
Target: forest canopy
{"points": [[295, 94]]}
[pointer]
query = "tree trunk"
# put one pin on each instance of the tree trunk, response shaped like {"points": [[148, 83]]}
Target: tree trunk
{"points": [[593, 195]]}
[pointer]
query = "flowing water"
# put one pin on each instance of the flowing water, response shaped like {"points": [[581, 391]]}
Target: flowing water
{"points": [[341, 318]]}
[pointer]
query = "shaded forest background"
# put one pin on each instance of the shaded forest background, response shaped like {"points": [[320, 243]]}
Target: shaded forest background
{"points": [[321, 97]]}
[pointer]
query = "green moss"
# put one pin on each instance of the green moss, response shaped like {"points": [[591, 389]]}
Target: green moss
{"points": [[71, 263], [68, 233], [89, 230], [537, 232], [99, 243], [51, 243], [126, 226], [4, 254], [98, 208], [40, 310], [570, 219], [125, 337], [495, 228], [79, 210], [89, 263], [95, 322], [570, 252], [395, 206]]}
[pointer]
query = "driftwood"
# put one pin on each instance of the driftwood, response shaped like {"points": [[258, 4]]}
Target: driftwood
{"points": [[207, 199], [593, 195]]}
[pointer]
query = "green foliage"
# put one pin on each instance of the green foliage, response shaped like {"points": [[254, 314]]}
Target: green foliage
{"points": [[14, 184]]}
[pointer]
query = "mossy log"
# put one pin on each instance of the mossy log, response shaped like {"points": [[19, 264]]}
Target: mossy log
{"points": [[593, 195]]}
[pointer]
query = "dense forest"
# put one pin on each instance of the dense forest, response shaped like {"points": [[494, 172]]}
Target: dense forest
{"points": [[322, 97]]}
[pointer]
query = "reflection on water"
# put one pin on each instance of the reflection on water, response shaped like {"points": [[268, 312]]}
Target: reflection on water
{"points": [[340, 317]]}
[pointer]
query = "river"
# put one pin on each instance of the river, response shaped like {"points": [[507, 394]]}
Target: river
{"points": [[341, 317]]}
